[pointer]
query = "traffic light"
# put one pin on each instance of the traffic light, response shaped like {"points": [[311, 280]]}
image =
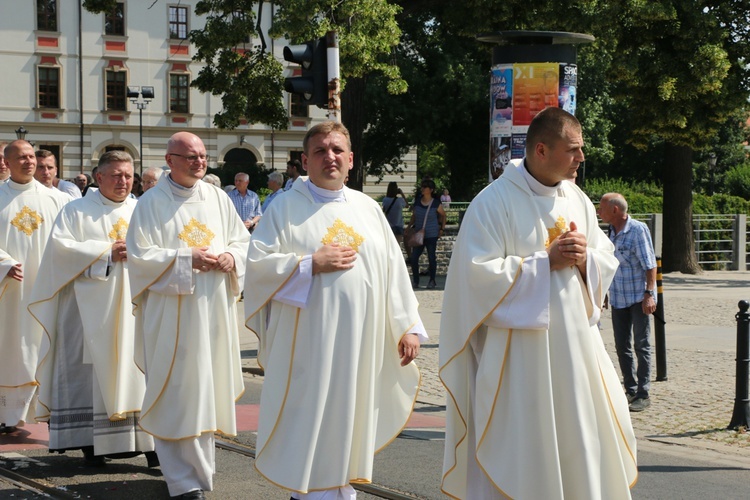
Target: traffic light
{"points": [[312, 85]]}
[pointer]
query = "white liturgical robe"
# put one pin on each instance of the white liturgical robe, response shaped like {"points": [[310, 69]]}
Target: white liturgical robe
{"points": [[90, 386], [187, 337], [334, 391], [535, 408], [27, 213]]}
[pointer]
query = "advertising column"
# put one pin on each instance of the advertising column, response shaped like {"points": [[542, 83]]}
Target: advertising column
{"points": [[531, 71]]}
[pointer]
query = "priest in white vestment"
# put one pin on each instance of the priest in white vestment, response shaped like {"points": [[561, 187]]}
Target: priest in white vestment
{"points": [[90, 389], [27, 213], [186, 254], [535, 408], [328, 294]]}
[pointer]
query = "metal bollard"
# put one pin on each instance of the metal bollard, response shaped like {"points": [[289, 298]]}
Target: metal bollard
{"points": [[741, 411], [660, 343]]}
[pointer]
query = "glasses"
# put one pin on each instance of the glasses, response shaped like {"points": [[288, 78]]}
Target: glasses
{"points": [[191, 158]]}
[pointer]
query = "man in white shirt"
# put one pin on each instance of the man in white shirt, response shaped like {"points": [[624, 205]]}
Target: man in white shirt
{"points": [[46, 173]]}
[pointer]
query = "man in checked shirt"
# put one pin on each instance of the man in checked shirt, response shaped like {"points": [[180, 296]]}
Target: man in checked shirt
{"points": [[632, 296]]}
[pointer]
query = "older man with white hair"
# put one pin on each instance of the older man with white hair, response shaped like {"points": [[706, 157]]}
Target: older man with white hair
{"points": [[276, 185], [245, 201], [150, 177]]}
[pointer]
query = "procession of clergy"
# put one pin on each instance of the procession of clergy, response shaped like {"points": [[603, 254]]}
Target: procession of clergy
{"points": [[120, 325]]}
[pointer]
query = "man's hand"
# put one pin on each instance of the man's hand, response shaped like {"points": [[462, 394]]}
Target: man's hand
{"points": [[408, 348], [15, 273], [119, 252], [225, 262], [248, 224], [648, 305], [568, 250], [204, 261], [333, 257]]}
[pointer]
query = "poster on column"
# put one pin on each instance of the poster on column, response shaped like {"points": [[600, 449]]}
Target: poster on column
{"points": [[501, 116], [535, 87], [568, 85]]}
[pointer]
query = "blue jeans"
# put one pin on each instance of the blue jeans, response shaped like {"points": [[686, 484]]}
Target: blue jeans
{"points": [[416, 252], [623, 321]]}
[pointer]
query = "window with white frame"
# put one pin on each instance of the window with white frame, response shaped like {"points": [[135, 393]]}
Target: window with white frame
{"points": [[114, 20], [179, 93], [178, 22], [297, 107], [116, 85], [48, 87], [46, 15]]}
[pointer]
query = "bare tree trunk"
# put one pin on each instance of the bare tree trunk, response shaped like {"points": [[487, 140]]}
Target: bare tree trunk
{"points": [[353, 116], [678, 243]]}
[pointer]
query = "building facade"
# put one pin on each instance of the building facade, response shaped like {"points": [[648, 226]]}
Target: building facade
{"points": [[67, 73]]}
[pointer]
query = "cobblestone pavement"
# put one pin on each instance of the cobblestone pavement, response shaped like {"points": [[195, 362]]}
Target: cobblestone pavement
{"points": [[694, 406]]}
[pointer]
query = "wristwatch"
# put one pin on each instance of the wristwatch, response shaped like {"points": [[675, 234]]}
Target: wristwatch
{"points": [[650, 292]]}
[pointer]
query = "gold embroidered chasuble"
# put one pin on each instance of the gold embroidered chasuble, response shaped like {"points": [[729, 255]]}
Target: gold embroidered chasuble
{"points": [[83, 301], [334, 391], [27, 212], [187, 341], [546, 413]]}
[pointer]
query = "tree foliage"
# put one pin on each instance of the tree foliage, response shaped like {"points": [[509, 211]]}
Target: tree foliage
{"points": [[247, 77]]}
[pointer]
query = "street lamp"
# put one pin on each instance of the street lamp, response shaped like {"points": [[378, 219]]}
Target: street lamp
{"points": [[146, 94], [21, 133]]}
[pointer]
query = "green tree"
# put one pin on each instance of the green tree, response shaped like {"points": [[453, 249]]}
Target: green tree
{"points": [[675, 69], [680, 88], [367, 33]]}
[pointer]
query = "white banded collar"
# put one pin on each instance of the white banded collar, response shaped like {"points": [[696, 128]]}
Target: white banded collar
{"points": [[321, 195], [537, 187]]}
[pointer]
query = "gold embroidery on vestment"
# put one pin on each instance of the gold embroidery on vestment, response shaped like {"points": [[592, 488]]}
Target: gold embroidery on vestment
{"points": [[27, 220], [119, 230], [554, 232], [343, 235], [196, 234]]}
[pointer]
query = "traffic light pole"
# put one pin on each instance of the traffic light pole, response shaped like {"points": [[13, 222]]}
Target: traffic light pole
{"points": [[334, 79]]}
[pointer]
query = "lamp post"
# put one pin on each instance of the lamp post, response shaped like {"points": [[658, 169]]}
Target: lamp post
{"points": [[146, 94], [711, 169], [21, 133]]}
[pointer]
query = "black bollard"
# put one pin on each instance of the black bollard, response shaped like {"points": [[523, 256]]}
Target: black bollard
{"points": [[741, 412], [660, 342]]}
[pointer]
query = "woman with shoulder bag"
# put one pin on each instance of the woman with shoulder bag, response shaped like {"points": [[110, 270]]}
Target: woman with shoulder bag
{"points": [[393, 206], [428, 221]]}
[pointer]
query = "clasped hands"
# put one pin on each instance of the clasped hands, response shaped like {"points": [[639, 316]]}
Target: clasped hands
{"points": [[119, 251], [568, 250], [205, 261]]}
